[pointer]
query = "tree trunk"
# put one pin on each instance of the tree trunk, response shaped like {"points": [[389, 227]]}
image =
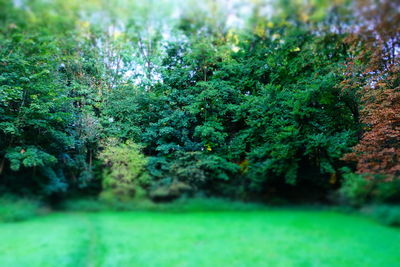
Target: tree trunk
{"points": [[2, 165]]}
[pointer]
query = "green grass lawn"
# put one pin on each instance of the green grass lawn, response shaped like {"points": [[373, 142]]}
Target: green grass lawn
{"points": [[262, 238]]}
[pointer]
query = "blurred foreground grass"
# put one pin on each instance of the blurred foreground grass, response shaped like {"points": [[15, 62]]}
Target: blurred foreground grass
{"points": [[283, 237]]}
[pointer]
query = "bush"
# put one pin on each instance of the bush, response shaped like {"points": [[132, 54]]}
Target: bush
{"points": [[184, 174], [124, 171], [14, 209], [385, 214], [355, 189], [360, 189]]}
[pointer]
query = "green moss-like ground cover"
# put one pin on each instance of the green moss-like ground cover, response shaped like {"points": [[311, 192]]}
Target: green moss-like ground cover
{"points": [[258, 238]]}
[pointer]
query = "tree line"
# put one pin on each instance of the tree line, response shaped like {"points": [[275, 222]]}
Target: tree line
{"points": [[118, 99]]}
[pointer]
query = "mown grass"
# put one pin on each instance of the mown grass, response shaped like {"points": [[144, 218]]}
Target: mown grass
{"points": [[253, 238]]}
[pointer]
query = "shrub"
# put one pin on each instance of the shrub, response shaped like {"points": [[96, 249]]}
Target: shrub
{"points": [[360, 189], [169, 192], [124, 171], [14, 209], [194, 168], [385, 214], [186, 173], [355, 189]]}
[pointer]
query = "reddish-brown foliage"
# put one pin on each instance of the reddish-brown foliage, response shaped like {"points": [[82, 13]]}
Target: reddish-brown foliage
{"points": [[374, 76]]}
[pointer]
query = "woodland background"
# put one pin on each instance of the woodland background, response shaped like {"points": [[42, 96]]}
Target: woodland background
{"points": [[268, 101]]}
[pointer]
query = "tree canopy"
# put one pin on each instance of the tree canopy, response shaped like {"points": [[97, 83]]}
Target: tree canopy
{"points": [[242, 99]]}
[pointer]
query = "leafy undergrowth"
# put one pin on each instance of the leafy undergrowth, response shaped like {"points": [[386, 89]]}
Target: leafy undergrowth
{"points": [[13, 209], [385, 214], [180, 205]]}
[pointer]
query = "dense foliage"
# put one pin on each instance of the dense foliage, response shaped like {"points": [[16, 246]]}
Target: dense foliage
{"points": [[124, 172], [287, 105]]}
